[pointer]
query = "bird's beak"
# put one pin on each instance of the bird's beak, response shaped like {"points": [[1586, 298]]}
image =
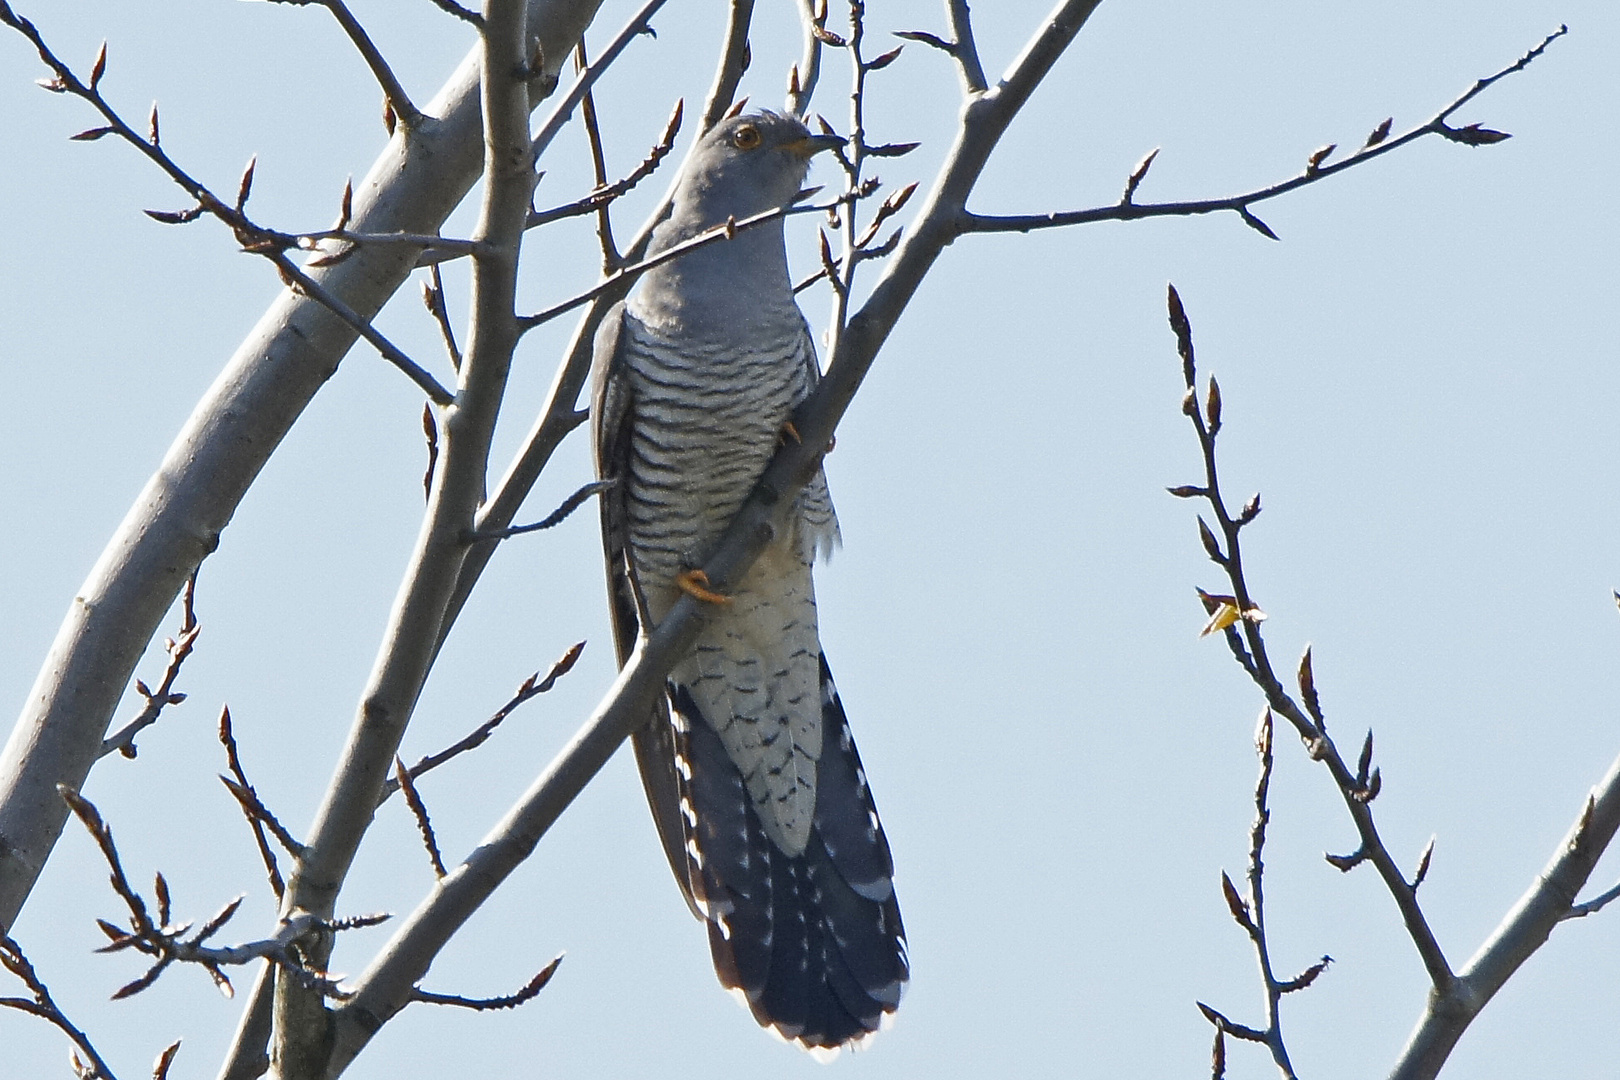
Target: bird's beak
{"points": [[811, 145]]}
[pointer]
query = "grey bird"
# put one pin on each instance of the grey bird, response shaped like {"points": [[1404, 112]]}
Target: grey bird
{"points": [[749, 766]]}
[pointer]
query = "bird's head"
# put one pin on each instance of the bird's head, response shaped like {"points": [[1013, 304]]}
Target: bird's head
{"points": [[746, 165]]}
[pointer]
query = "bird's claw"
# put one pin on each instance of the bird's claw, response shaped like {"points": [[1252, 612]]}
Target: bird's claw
{"points": [[695, 583], [789, 431]]}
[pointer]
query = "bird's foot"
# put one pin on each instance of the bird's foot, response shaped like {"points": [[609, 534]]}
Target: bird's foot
{"points": [[695, 583], [789, 431]]}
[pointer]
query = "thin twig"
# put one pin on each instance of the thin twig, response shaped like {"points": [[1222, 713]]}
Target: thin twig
{"points": [[605, 194], [296, 278], [169, 944], [123, 740], [433, 299], [510, 1001], [44, 1006], [466, 15], [719, 234], [804, 75], [1224, 546], [1252, 915], [398, 100], [253, 238], [640, 23], [593, 135], [1316, 170], [551, 520], [532, 687], [413, 799], [233, 761], [1594, 905]]}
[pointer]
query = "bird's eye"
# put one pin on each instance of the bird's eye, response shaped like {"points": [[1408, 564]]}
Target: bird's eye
{"points": [[746, 137]]}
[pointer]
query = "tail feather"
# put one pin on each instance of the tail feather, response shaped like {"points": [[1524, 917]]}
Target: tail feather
{"points": [[813, 941]]}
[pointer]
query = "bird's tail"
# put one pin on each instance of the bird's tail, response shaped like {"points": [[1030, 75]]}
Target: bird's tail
{"points": [[813, 942]]}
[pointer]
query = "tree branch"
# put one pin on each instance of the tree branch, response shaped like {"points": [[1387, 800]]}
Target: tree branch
{"points": [[409, 643], [964, 48], [640, 23], [179, 649], [1549, 900], [1228, 614], [398, 100], [734, 60], [235, 427], [1454, 998], [1316, 169], [803, 76], [386, 986], [42, 1005]]}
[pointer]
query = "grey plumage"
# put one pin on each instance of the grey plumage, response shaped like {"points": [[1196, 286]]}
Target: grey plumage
{"points": [[749, 765]]}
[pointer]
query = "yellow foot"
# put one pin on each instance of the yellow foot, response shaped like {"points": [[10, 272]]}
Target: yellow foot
{"points": [[695, 583], [790, 432]]}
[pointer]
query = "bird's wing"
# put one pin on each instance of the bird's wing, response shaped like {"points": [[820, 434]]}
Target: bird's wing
{"points": [[612, 412]]}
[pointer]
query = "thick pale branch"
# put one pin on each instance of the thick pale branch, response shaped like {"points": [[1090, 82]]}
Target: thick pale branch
{"points": [[1549, 900], [177, 520], [409, 642]]}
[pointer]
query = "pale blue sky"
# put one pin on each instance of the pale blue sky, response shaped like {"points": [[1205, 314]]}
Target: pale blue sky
{"points": [[1420, 379]]}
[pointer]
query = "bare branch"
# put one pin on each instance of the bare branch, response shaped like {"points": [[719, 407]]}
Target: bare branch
{"points": [[532, 687], [433, 300], [735, 57], [606, 193], [805, 74], [1594, 905], [256, 811], [593, 133], [398, 100], [627, 275], [42, 1005], [405, 654], [963, 47], [640, 23], [254, 239], [179, 648], [1547, 902], [402, 777], [1355, 790], [553, 519], [510, 1001], [1315, 170], [234, 762], [362, 326], [466, 15]]}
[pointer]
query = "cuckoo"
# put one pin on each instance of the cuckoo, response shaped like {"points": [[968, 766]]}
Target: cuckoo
{"points": [[755, 785]]}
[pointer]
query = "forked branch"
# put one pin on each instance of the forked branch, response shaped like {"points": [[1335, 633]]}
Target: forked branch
{"points": [[1455, 998]]}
